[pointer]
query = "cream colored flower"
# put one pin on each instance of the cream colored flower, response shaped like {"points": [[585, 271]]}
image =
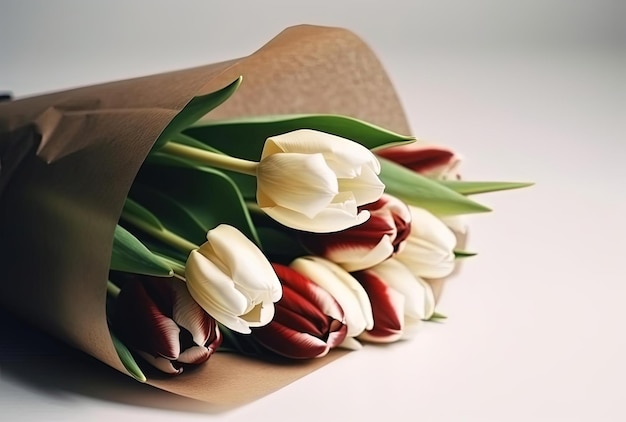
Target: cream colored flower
{"points": [[232, 280], [313, 181], [429, 249]]}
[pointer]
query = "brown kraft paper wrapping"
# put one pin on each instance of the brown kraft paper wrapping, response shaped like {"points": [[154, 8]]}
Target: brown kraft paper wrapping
{"points": [[68, 160]]}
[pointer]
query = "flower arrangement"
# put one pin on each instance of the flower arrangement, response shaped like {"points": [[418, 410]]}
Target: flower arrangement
{"points": [[272, 236], [352, 263]]}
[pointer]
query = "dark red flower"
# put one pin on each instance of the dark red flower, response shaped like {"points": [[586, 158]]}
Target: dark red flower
{"points": [[308, 321], [428, 160], [158, 318]]}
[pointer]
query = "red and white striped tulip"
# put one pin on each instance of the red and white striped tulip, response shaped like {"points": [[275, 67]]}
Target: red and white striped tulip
{"points": [[400, 301], [314, 181], [429, 160], [232, 280], [158, 318], [308, 321], [429, 249], [368, 244], [346, 290]]}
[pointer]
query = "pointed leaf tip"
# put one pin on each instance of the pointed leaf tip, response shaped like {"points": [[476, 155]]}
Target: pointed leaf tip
{"points": [[473, 188], [464, 254], [127, 359]]}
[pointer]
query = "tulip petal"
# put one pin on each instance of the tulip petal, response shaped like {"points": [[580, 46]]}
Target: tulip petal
{"points": [[263, 314], [211, 287], [299, 182], [366, 188], [300, 314], [189, 315], [161, 364], [387, 307], [397, 276], [362, 257], [338, 332], [246, 265], [429, 298], [419, 157], [290, 343], [342, 155], [351, 343], [411, 327], [429, 249], [309, 291], [456, 223], [195, 355], [331, 219], [141, 324], [343, 287]]}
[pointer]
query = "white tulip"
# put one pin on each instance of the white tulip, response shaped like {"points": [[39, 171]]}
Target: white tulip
{"points": [[429, 249], [314, 181], [232, 281]]}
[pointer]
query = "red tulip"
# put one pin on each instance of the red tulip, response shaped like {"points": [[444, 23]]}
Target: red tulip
{"points": [[428, 160], [308, 321], [368, 244], [158, 318], [400, 301]]}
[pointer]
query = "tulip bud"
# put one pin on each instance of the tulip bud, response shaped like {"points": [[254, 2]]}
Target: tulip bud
{"points": [[344, 288], [314, 181], [429, 160], [429, 250], [308, 320], [368, 244], [159, 320], [232, 280], [400, 301]]}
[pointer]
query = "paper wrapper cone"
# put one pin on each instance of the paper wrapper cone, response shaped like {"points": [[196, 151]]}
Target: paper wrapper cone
{"points": [[68, 160]]}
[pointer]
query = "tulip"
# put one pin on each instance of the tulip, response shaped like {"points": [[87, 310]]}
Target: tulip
{"points": [[345, 289], [308, 320], [400, 301], [368, 244], [432, 161], [314, 181], [232, 280], [307, 180], [429, 250], [159, 320], [429, 160]]}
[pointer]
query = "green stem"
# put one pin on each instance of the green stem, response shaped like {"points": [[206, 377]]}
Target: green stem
{"points": [[222, 161], [112, 289], [162, 234]]}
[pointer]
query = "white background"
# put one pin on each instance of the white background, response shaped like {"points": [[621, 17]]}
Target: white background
{"points": [[528, 91]]}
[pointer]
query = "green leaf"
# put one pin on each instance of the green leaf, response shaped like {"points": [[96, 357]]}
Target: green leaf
{"points": [[463, 254], [420, 191], [195, 109], [170, 213], [132, 256], [127, 359], [245, 137], [141, 213], [471, 188], [207, 196], [437, 317]]}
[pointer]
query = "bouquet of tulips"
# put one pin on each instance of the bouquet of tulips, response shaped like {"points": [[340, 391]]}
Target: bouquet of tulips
{"points": [[288, 235], [250, 232]]}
